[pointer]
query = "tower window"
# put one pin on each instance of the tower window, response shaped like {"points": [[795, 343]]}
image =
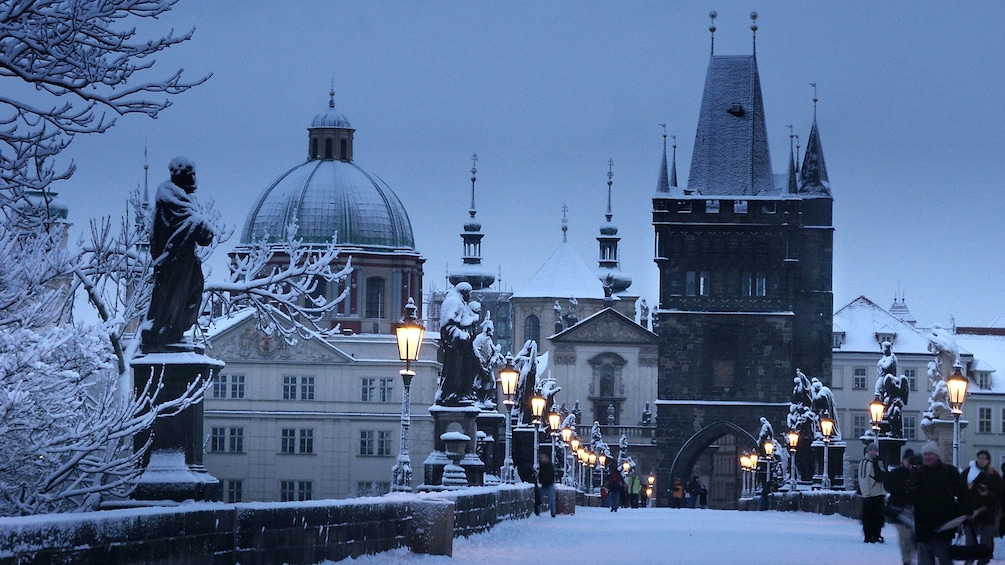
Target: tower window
{"points": [[343, 150], [328, 148], [314, 148], [375, 297]]}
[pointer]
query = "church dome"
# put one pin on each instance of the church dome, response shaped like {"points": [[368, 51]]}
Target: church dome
{"points": [[330, 194]]}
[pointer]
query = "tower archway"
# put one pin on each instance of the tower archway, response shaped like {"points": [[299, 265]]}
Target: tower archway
{"points": [[712, 454]]}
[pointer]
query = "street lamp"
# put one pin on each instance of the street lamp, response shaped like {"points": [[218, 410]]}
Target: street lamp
{"points": [[793, 442], [876, 411], [409, 334], [826, 428], [554, 421], [626, 466], [537, 403], [508, 377], [957, 385], [651, 489]]}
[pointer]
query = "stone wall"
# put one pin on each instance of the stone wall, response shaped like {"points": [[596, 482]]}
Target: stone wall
{"points": [[259, 533], [845, 503]]}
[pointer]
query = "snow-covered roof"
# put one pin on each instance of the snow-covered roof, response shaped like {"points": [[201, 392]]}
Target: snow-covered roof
{"points": [[731, 144], [563, 275], [989, 355], [861, 319]]}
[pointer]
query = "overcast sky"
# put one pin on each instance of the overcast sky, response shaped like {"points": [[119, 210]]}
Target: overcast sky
{"points": [[910, 116]]}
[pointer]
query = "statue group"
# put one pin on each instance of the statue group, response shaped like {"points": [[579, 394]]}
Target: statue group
{"points": [[467, 352]]}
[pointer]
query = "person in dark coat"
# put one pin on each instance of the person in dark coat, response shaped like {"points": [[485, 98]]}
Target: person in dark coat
{"points": [[985, 485], [940, 495], [178, 280], [900, 510], [871, 472], [614, 485], [546, 477], [526, 473]]}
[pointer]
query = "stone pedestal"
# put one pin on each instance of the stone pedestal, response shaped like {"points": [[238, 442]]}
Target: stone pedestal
{"points": [[835, 463], [492, 440], [173, 465], [459, 419], [941, 432]]}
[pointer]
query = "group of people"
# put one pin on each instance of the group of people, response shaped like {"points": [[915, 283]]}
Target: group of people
{"points": [[692, 495], [927, 500], [622, 491]]}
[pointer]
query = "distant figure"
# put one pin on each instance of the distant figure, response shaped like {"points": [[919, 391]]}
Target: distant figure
{"points": [[577, 413], [871, 474], [546, 477], [178, 280], [611, 418], [985, 486], [647, 416], [939, 495]]}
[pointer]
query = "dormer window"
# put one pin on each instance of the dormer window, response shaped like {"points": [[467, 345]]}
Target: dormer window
{"points": [[837, 339], [983, 379], [712, 206], [886, 336]]}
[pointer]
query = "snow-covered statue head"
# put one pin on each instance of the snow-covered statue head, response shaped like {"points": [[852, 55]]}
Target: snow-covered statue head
{"points": [[947, 352]]}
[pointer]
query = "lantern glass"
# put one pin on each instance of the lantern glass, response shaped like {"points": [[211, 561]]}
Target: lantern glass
{"points": [[602, 459], [554, 420], [409, 334], [769, 447], [652, 479], [876, 410], [593, 459], [567, 436], [574, 442], [793, 439], [826, 426], [508, 377], [957, 385], [537, 407]]}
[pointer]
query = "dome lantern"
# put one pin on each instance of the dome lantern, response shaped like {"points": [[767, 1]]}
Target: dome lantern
{"points": [[330, 135]]}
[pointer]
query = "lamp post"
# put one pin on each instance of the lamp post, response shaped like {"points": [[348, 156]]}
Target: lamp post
{"points": [[826, 428], [566, 435], [876, 412], [769, 460], [591, 464], [409, 334], [793, 442], [537, 403], [957, 385], [554, 421], [508, 377]]}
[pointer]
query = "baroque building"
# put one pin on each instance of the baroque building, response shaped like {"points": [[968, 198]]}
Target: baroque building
{"points": [[745, 261], [322, 418]]}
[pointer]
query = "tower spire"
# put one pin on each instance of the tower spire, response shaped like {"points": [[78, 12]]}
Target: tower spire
{"points": [[663, 183], [609, 269], [610, 181], [673, 169], [753, 30], [474, 177], [471, 270], [565, 223], [813, 175], [711, 28]]}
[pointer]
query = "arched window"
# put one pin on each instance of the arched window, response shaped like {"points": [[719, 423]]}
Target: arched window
{"points": [[328, 148], [343, 150], [314, 148], [374, 297], [532, 329]]}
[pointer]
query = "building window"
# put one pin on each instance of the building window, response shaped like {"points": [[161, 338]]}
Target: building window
{"points": [[910, 424], [295, 490], [374, 297], [236, 443], [837, 338], [696, 283], [768, 207], [983, 379], [983, 420], [290, 388], [1003, 421], [755, 284], [859, 424], [683, 206], [858, 381], [532, 328], [372, 488], [369, 390], [761, 284], [712, 206], [297, 441], [232, 490], [912, 378], [740, 207], [386, 390], [237, 386], [218, 439], [384, 444], [220, 388]]}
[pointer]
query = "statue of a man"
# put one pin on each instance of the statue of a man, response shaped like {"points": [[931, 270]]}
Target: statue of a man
{"points": [[178, 281], [457, 332], [489, 356]]}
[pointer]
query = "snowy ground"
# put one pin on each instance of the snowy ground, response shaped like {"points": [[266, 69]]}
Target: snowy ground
{"points": [[662, 535]]}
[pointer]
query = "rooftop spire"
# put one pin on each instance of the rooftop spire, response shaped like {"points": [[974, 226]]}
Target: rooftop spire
{"points": [[673, 169], [663, 183], [610, 181], [813, 175], [474, 177], [711, 28], [471, 270], [565, 223], [609, 271], [753, 29]]}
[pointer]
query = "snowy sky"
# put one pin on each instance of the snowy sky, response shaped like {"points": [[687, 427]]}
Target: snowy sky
{"points": [[694, 537], [546, 93]]}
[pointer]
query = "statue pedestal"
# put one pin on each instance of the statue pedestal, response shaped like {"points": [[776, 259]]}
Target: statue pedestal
{"points": [[492, 442], [173, 466], [453, 419], [941, 432], [835, 464]]}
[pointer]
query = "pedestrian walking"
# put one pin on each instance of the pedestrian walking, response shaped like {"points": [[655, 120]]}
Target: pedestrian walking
{"points": [[985, 486], [900, 511], [871, 472], [940, 495], [634, 489], [614, 486], [546, 478], [677, 494]]}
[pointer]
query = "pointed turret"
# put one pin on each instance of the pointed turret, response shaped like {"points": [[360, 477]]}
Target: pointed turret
{"points": [[471, 270], [663, 184], [813, 175], [792, 187], [609, 271]]}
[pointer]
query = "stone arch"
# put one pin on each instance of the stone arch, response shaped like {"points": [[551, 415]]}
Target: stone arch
{"points": [[683, 463]]}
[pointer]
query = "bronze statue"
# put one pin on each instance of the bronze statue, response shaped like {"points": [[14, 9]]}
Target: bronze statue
{"points": [[178, 281]]}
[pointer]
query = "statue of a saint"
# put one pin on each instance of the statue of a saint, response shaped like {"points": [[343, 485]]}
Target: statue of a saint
{"points": [[526, 363], [457, 332], [489, 357], [178, 281], [647, 416]]}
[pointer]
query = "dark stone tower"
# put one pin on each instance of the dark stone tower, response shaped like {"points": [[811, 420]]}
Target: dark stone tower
{"points": [[745, 262]]}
